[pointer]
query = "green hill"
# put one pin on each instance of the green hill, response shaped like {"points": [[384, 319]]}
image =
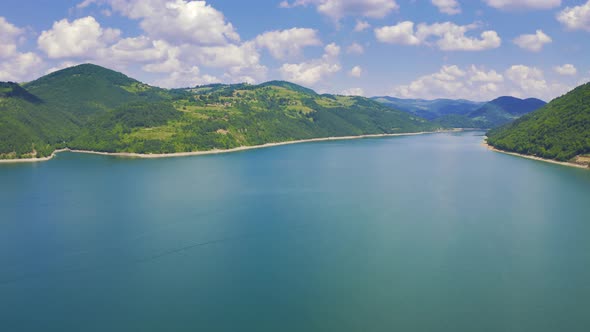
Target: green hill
{"points": [[28, 125], [560, 130], [87, 89], [92, 108]]}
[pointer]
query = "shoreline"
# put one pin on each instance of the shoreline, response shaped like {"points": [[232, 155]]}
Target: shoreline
{"points": [[562, 163], [215, 151]]}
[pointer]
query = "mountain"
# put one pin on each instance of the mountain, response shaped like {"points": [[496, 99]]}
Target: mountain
{"points": [[28, 125], [430, 109], [93, 108], [15, 91], [560, 130], [87, 89], [464, 113], [503, 110]]}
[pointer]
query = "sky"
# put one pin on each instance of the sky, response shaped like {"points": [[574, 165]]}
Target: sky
{"points": [[476, 49]]}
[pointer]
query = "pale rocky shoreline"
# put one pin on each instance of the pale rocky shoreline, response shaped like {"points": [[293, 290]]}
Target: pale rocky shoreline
{"points": [[215, 151], [562, 163]]}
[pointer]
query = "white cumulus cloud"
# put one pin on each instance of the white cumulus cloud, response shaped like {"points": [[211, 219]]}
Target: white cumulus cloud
{"points": [[353, 92], [177, 21], [355, 48], [479, 83], [401, 33], [576, 18], [356, 71], [523, 4], [313, 71], [187, 41], [450, 7], [337, 9], [14, 64], [448, 36], [9, 35], [288, 43], [533, 42], [361, 26], [527, 78], [566, 69], [79, 38], [20, 66]]}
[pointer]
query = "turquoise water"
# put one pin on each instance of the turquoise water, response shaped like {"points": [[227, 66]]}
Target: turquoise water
{"points": [[417, 233]]}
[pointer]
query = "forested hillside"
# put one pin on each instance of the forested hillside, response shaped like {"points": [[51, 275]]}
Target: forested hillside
{"points": [[92, 108], [560, 130]]}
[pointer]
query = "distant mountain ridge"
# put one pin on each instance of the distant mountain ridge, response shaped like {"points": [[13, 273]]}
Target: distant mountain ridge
{"points": [[431, 109], [464, 113], [88, 107], [503, 110]]}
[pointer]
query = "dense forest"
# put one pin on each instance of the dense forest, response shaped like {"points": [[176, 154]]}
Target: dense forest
{"points": [[93, 108], [560, 130]]}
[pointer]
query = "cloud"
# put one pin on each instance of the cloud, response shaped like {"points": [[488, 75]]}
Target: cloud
{"points": [[523, 4], [353, 92], [481, 75], [288, 43], [356, 71], [176, 21], [189, 22], [85, 39], [183, 39], [445, 83], [361, 26], [452, 37], [450, 7], [355, 48], [136, 49], [576, 18], [337, 9], [9, 35], [478, 83], [567, 69], [15, 65], [80, 38], [401, 33], [530, 82], [527, 78], [449, 36], [231, 55], [533, 42], [313, 71], [187, 77], [20, 66], [240, 63]]}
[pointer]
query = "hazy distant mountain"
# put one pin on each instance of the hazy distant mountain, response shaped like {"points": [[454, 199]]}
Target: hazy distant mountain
{"points": [[465, 113], [431, 109], [504, 110]]}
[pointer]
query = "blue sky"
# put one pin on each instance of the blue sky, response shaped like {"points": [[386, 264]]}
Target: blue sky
{"points": [[477, 49]]}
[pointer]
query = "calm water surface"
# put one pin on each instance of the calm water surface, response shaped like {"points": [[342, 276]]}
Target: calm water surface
{"points": [[421, 233]]}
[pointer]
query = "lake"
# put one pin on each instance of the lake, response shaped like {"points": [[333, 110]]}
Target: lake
{"points": [[415, 233]]}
